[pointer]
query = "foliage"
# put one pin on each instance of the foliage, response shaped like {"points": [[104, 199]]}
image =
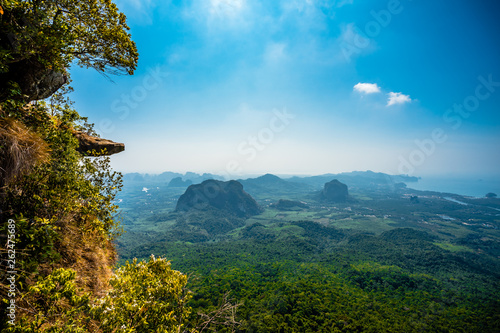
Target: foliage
{"points": [[64, 206], [145, 297], [56, 304], [323, 280], [94, 33], [68, 185]]}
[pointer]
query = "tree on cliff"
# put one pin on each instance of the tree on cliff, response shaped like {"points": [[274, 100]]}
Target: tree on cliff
{"points": [[39, 40], [56, 205]]}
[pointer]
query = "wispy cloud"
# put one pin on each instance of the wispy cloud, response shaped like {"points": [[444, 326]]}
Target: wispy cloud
{"points": [[397, 98], [342, 3], [217, 16], [140, 11], [367, 88], [225, 8], [275, 52], [353, 42]]}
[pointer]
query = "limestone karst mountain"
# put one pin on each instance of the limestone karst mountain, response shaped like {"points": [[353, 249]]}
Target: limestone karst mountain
{"points": [[178, 182], [224, 196], [334, 191]]}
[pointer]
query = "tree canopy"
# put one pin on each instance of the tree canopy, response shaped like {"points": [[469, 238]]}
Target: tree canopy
{"points": [[57, 32]]}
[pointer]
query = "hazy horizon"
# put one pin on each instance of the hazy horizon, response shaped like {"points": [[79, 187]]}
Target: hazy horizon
{"points": [[467, 185], [305, 174]]}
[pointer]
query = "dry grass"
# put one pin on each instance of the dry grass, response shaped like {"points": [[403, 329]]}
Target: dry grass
{"points": [[90, 254], [20, 150]]}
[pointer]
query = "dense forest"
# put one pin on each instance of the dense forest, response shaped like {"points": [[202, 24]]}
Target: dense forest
{"points": [[386, 260]]}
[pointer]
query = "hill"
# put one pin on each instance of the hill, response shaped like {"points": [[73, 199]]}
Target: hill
{"points": [[284, 204], [269, 185], [178, 182], [225, 196], [334, 191]]}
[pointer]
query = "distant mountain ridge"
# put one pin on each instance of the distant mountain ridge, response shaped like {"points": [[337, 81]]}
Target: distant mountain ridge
{"points": [[360, 179], [270, 183], [178, 182], [167, 177]]}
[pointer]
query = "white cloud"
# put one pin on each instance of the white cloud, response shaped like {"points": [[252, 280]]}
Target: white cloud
{"points": [[373, 88], [367, 88], [397, 98]]}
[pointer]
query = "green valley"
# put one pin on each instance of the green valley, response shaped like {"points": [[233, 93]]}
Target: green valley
{"points": [[387, 259]]}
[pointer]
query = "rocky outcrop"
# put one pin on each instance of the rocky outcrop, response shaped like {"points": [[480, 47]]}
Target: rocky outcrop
{"points": [[29, 71], [88, 144], [334, 191], [34, 80], [227, 196]]}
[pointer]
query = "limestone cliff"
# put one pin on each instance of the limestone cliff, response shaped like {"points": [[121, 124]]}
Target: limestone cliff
{"points": [[334, 191], [224, 196]]}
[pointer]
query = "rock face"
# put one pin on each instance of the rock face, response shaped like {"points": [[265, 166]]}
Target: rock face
{"points": [[228, 197], [101, 146], [34, 79], [334, 191]]}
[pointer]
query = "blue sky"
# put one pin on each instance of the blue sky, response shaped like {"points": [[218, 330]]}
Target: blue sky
{"points": [[239, 87]]}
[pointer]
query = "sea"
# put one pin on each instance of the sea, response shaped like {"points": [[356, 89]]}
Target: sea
{"points": [[466, 186]]}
